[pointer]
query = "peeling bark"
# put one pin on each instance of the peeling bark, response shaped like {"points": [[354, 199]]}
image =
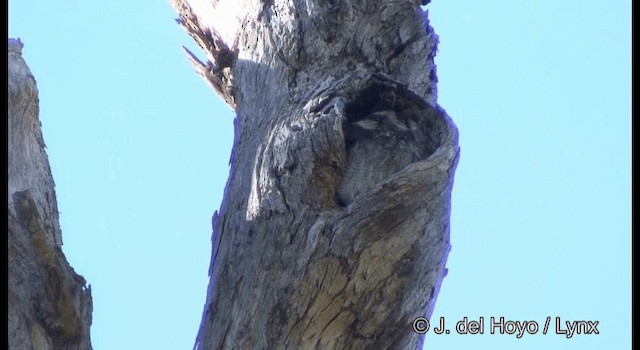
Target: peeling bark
{"points": [[49, 304], [334, 228]]}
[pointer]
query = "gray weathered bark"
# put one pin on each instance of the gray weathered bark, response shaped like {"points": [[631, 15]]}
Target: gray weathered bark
{"points": [[334, 228], [49, 304]]}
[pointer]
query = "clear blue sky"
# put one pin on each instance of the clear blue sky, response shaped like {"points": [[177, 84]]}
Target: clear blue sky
{"points": [[541, 223]]}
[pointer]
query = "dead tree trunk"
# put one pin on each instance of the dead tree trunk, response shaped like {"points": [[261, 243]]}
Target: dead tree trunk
{"points": [[49, 304], [334, 228]]}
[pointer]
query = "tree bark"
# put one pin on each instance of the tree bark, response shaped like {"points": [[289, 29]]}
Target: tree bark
{"points": [[49, 305], [334, 228]]}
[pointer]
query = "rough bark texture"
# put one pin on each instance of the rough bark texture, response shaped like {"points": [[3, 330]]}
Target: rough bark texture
{"points": [[49, 304], [334, 228]]}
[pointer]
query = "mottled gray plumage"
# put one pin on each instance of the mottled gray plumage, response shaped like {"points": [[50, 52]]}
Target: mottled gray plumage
{"points": [[378, 146]]}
